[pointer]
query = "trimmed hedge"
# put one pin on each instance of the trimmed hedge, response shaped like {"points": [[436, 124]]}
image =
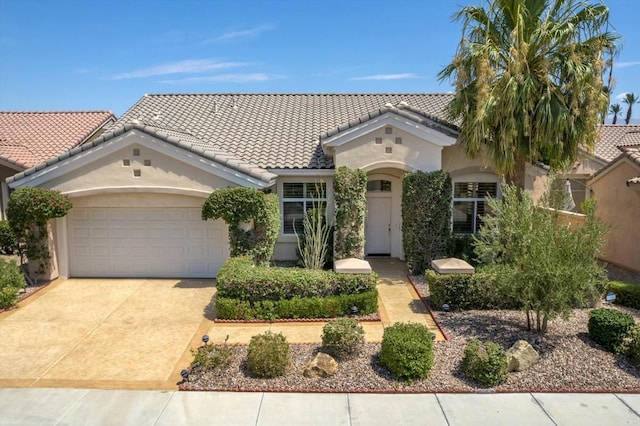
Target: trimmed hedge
{"points": [[8, 242], [467, 291], [297, 307], [627, 294], [11, 282], [239, 279], [609, 328], [407, 351]]}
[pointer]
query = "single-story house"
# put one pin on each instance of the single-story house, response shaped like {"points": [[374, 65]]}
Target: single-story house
{"points": [[616, 188], [138, 189], [28, 139], [611, 136]]}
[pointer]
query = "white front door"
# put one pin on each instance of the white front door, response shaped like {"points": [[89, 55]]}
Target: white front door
{"points": [[378, 226]]}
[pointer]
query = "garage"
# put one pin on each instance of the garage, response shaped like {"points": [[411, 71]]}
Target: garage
{"points": [[144, 242]]}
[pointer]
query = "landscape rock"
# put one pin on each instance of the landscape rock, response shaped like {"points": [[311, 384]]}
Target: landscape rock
{"points": [[521, 356], [322, 365]]}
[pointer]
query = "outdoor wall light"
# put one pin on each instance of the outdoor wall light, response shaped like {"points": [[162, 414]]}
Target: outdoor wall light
{"points": [[185, 374]]}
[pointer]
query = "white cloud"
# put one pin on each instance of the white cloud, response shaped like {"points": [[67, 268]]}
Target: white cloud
{"points": [[189, 66], [232, 35], [626, 64], [403, 76], [224, 78], [621, 96]]}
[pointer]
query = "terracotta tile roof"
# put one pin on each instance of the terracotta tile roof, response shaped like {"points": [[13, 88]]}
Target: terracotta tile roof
{"points": [[272, 130], [632, 152], [612, 136], [181, 139], [29, 138]]}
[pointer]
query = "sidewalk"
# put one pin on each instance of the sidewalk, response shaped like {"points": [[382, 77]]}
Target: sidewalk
{"points": [[34, 406]]}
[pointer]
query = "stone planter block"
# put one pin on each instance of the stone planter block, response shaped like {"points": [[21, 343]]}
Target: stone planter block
{"points": [[452, 265]]}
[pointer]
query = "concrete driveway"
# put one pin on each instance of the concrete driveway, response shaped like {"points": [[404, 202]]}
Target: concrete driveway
{"points": [[104, 333]]}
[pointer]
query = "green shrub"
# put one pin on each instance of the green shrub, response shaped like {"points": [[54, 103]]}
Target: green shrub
{"points": [[11, 282], [632, 345], [212, 357], [485, 362], [239, 205], [239, 279], [467, 291], [8, 243], [426, 218], [462, 247], [627, 294], [268, 354], [407, 351], [343, 338], [609, 328], [298, 307], [350, 195]]}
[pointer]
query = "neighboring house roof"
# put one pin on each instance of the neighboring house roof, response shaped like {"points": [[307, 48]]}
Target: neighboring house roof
{"points": [[614, 135], [274, 131], [629, 153], [30, 138], [180, 139]]}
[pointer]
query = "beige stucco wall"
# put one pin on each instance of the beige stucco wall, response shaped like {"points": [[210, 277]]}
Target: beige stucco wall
{"points": [[5, 172], [364, 153], [164, 172], [456, 162], [619, 207]]}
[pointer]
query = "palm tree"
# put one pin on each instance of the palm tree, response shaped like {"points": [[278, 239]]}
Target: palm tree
{"points": [[528, 76], [615, 109], [629, 99]]}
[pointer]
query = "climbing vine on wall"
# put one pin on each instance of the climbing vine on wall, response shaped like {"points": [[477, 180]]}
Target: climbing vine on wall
{"points": [[350, 192], [239, 206], [426, 218], [28, 211]]}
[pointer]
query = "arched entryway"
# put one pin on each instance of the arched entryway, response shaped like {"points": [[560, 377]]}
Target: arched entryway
{"points": [[383, 224]]}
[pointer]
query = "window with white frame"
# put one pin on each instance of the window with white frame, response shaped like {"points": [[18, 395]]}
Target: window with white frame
{"points": [[470, 204], [297, 199]]}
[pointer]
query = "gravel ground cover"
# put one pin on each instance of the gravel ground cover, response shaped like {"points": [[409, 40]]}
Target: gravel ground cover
{"points": [[570, 362]]}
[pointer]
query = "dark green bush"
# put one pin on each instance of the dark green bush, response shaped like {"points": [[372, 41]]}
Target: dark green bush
{"points": [[609, 328], [485, 362], [239, 279], [467, 291], [627, 294], [462, 247], [212, 357], [343, 338], [298, 307], [632, 345], [407, 351], [11, 282], [8, 242], [426, 218], [268, 354]]}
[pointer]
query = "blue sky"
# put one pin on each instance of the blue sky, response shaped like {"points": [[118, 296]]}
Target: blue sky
{"points": [[93, 54]]}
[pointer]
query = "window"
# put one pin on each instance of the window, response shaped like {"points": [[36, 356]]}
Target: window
{"points": [[379, 186], [297, 199], [470, 204]]}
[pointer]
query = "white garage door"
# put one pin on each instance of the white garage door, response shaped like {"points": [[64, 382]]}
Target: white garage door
{"points": [[145, 242]]}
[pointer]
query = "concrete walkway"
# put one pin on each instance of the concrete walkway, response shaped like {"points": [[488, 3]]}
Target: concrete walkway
{"points": [[101, 407]]}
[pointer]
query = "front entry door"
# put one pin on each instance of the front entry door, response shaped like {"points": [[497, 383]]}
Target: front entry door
{"points": [[378, 226]]}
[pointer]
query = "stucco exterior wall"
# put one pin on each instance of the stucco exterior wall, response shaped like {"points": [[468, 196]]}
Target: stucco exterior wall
{"points": [[5, 172], [412, 154], [456, 162], [163, 172], [619, 207]]}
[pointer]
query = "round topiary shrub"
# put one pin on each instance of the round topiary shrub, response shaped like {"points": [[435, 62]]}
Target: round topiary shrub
{"points": [[343, 338], [407, 351], [11, 282], [485, 362], [268, 354], [609, 327], [632, 345]]}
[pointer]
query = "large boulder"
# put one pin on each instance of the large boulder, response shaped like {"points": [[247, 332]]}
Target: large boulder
{"points": [[322, 365], [521, 356]]}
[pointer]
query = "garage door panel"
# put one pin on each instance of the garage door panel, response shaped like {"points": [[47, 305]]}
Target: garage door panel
{"points": [[145, 242]]}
